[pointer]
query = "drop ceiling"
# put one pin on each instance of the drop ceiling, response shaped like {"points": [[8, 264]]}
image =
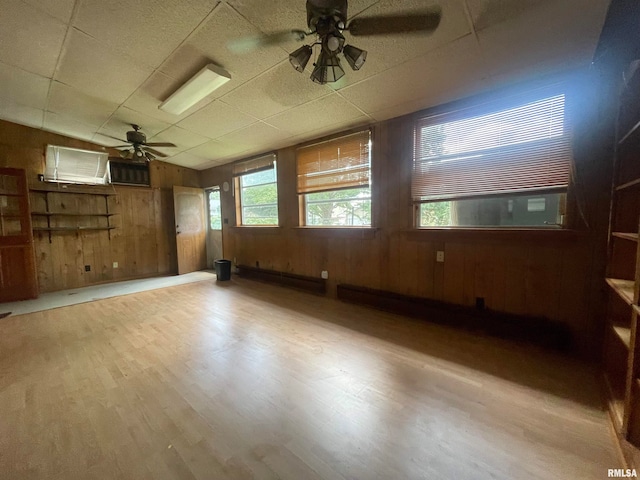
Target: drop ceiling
{"points": [[88, 69]]}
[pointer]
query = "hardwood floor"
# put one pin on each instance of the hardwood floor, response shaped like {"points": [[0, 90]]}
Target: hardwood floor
{"points": [[247, 380]]}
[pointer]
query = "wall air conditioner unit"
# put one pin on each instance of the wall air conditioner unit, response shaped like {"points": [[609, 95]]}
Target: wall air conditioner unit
{"points": [[72, 165], [127, 173]]}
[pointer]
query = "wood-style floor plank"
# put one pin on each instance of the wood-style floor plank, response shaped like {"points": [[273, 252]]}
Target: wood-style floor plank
{"points": [[246, 380]]}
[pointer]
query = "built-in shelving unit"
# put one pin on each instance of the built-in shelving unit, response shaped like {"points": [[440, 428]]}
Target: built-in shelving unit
{"points": [[621, 343], [82, 219]]}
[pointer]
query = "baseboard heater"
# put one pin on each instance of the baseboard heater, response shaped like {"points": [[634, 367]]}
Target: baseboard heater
{"points": [[300, 282], [540, 331]]}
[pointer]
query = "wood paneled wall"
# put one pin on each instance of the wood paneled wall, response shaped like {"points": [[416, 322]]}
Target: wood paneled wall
{"points": [[548, 274], [143, 244]]}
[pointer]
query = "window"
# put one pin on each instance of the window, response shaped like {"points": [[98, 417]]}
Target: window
{"points": [[334, 181], [215, 211], [70, 165], [495, 165], [257, 188]]}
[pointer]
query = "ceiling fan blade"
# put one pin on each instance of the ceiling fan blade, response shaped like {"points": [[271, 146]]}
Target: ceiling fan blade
{"points": [[249, 44], [155, 153], [159, 144], [391, 24], [115, 138], [122, 146]]}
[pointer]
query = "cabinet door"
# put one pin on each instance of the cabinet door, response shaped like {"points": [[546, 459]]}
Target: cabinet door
{"points": [[17, 261]]}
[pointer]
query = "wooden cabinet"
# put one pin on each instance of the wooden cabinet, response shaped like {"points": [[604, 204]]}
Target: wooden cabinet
{"points": [[68, 208], [621, 343]]}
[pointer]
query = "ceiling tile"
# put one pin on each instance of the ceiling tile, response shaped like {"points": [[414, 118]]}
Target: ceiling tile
{"points": [[316, 115], [485, 13], [24, 115], [67, 101], [416, 82], [209, 44], [215, 150], [29, 38], [258, 136], [60, 9], [92, 68], [22, 87], [216, 119], [147, 31], [387, 51], [120, 123], [275, 91], [185, 159], [536, 42], [183, 139], [152, 93], [277, 15], [67, 126]]}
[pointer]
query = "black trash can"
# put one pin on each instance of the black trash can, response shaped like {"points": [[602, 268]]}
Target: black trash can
{"points": [[223, 270]]}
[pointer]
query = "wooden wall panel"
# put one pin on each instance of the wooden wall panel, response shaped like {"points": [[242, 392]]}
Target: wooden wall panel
{"points": [[550, 276], [143, 243]]}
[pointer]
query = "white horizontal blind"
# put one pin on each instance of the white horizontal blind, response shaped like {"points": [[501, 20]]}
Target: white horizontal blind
{"points": [[254, 165], [71, 165], [523, 148], [334, 165]]}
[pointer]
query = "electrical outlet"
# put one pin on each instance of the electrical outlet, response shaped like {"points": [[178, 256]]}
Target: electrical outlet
{"points": [[324, 274], [87, 268], [115, 264], [440, 256]]}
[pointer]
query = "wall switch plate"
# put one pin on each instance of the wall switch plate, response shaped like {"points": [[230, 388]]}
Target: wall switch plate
{"points": [[440, 256], [115, 264], [324, 274]]}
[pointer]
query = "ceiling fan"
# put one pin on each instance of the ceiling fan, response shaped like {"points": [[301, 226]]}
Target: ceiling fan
{"points": [[327, 20], [137, 148]]}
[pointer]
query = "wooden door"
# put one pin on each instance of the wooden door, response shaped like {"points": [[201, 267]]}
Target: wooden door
{"points": [[18, 279], [190, 229]]}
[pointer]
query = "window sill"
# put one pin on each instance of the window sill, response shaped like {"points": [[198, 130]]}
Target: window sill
{"points": [[253, 229], [340, 232], [500, 234]]}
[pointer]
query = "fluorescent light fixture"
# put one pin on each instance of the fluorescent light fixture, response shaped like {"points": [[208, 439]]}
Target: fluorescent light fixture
{"points": [[202, 84]]}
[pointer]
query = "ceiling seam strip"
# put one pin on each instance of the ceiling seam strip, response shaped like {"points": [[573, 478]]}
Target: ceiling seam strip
{"points": [[156, 70], [63, 47]]}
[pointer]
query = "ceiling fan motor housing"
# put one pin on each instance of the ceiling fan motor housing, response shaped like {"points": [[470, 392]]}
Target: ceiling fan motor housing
{"points": [[136, 137]]}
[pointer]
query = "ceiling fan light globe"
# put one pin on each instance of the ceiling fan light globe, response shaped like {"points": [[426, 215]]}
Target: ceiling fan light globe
{"points": [[355, 56], [328, 69], [300, 58]]}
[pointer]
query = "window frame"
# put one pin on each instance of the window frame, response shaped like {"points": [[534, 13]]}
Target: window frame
{"points": [[51, 175], [494, 102], [251, 166], [302, 197]]}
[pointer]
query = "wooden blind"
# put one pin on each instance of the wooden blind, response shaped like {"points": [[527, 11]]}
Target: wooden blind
{"points": [[526, 147], [72, 165], [254, 165], [334, 165]]}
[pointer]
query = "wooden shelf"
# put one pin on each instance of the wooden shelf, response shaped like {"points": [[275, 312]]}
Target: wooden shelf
{"points": [[623, 333], [75, 189], [616, 405], [624, 288], [627, 236], [51, 214], [631, 184], [632, 134], [69, 229], [9, 194]]}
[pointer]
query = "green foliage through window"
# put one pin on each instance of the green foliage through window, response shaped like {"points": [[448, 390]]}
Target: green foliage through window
{"points": [[351, 208], [259, 198], [215, 213]]}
